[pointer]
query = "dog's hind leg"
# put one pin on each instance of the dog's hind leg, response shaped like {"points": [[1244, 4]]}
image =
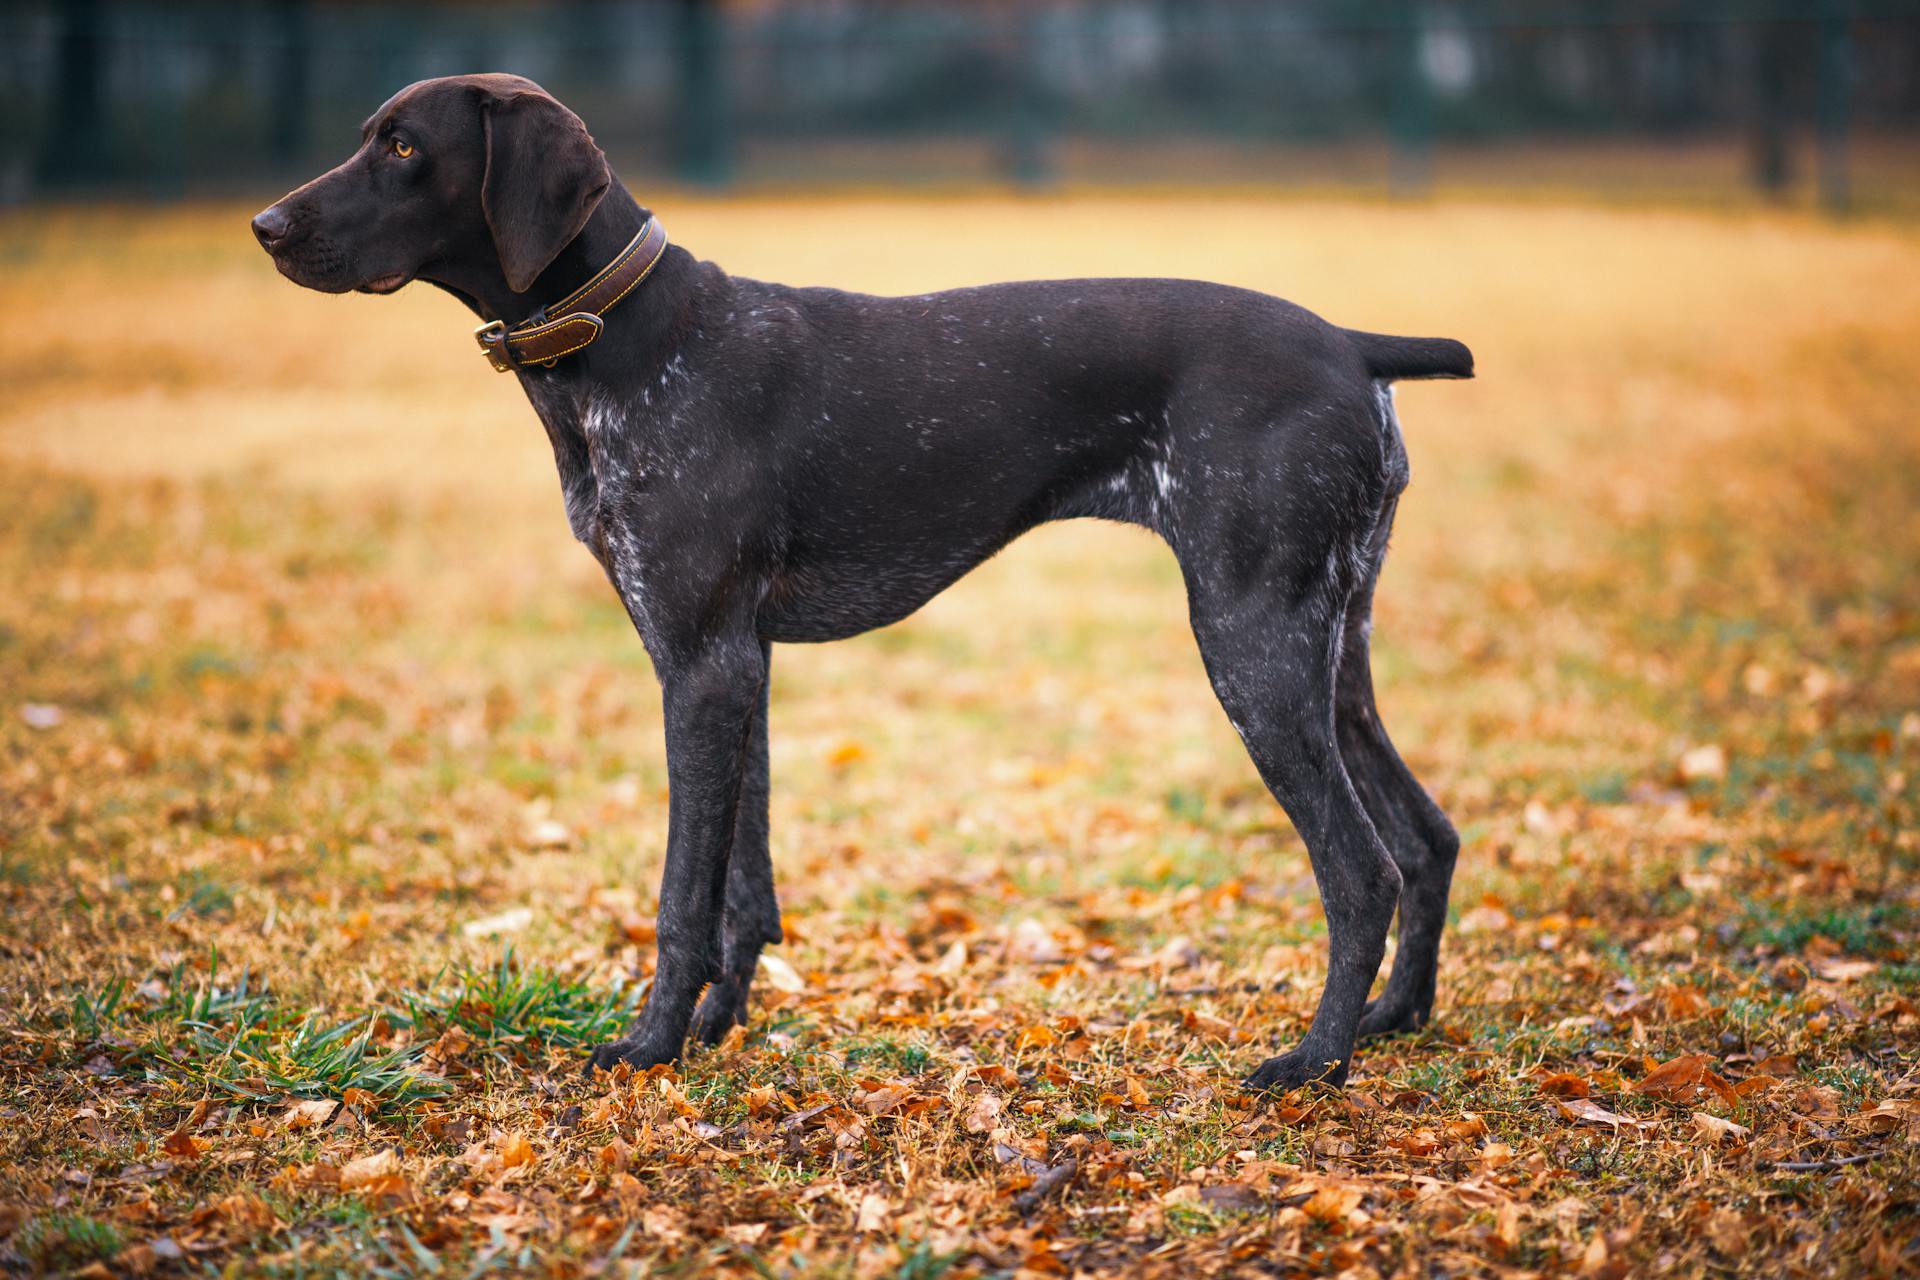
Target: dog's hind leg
{"points": [[1271, 643], [1417, 834], [751, 919]]}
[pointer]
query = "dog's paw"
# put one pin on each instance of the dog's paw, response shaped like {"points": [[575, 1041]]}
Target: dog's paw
{"points": [[723, 1008], [1381, 1018], [637, 1052], [1292, 1070]]}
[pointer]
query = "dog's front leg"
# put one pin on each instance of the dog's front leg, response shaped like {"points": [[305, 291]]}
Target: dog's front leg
{"points": [[752, 912], [710, 701]]}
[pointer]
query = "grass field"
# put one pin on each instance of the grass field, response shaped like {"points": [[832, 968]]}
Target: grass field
{"points": [[332, 794]]}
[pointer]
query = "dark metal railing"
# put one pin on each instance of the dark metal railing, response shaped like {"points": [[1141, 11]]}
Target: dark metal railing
{"points": [[170, 98]]}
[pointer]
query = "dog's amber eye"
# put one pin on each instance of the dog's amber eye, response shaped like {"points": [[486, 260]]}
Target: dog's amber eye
{"points": [[402, 149]]}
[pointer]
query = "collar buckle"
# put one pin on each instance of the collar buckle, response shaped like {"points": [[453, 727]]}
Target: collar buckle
{"points": [[492, 337]]}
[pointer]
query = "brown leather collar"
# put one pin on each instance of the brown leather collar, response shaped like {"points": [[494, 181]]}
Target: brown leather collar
{"points": [[576, 321]]}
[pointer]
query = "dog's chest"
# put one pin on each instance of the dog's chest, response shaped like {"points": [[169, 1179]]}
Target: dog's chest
{"points": [[607, 463], [602, 454], [564, 414]]}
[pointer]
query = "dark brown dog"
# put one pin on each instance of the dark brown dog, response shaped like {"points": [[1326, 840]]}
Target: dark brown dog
{"points": [[753, 463]]}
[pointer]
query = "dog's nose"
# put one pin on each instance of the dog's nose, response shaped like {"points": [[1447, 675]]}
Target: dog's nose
{"points": [[270, 226]]}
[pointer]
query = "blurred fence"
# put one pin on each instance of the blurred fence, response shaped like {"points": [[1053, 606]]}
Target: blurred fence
{"points": [[1662, 97]]}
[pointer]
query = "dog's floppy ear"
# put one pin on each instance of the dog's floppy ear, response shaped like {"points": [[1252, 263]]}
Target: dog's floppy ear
{"points": [[545, 176]]}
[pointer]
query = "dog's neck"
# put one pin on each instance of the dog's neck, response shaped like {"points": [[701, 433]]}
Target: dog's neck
{"points": [[610, 228], [648, 324]]}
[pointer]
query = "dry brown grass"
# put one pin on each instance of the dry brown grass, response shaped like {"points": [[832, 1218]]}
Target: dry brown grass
{"points": [[292, 574]]}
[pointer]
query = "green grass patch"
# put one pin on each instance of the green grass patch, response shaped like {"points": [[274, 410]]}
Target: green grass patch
{"points": [[511, 1005], [1860, 931], [63, 1241], [238, 1041]]}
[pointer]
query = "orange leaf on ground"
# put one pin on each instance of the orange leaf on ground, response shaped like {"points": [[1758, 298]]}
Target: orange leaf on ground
{"points": [[1420, 1142], [1682, 1077], [1713, 1128], [881, 1099], [1333, 1202], [845, 754], [780, 975], [1893, 1114], [1467, 1126], [984, 1114], [874, 1213], [1565, 1084], [303, 1115], [369, 1169], [1582, 1111], [182, 1145]]}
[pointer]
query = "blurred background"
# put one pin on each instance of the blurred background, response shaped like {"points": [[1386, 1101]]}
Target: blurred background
{"points": [[1706, 99], [301, 671]]}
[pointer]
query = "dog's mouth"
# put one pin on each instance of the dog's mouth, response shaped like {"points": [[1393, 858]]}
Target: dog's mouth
{"points": [[315, 262], [387, 283]]}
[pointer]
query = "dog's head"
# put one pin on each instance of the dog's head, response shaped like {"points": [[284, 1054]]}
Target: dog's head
{"points": [[452, 176]]}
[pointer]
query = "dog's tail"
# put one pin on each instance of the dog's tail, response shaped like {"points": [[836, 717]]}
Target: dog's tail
{"points": [[1389, 357]]}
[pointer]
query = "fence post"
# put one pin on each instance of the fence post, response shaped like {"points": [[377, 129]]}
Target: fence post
{"points": [[165, 78], [75, 148], [293, 37], [1029, 157], [594, 43], [706, 157], [1835, 104], [1409, 107], [1772, 155]]}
